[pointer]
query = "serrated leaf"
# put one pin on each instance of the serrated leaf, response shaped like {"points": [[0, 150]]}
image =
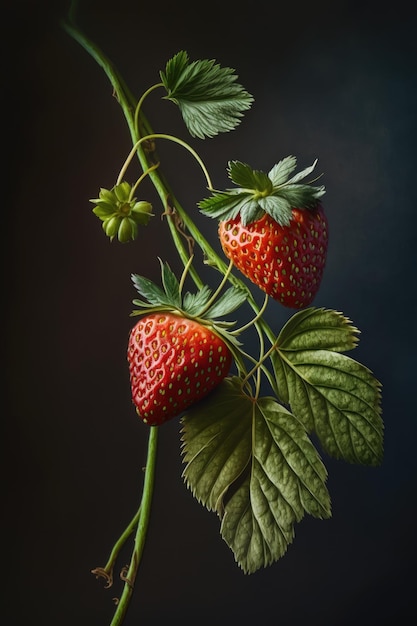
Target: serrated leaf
{"points": [[259, 193], [278, 208], [247, 178], [301, 196], [208, 95], [171, 285], [194, 302], [280, 172], [149, 290], [174, 69], [335, 396], [303, 174], [253, 463], [208, 119], [216, 443], [222, 204], [227, 303], [250, 210], [318, 329]]}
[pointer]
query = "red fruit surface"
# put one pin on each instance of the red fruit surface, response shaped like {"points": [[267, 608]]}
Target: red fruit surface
{"points": [[173, 363], [286, 262]]}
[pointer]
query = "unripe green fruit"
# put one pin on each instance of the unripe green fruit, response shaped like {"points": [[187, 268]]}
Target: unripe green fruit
{"points": [[120, 213]]}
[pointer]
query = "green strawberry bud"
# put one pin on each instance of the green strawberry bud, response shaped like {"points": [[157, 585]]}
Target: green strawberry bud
{"points": [[120, 213], [111, 226], [127, 230], [142, 212]]}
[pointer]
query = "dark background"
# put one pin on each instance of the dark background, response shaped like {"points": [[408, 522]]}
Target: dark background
{"points": [[333, 80]]}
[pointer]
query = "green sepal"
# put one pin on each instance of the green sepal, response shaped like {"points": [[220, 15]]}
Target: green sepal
{"points": [[247, 178], [209, 97], [222, 205], [171, 285], [232, 299], [194, 305], [122, 192], [149, 290], [258, 193], [103, 210]]}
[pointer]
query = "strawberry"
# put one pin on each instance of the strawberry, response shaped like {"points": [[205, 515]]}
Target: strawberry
{"points": [[286, 262], [178, 352], [173, 362], [274, 230]]}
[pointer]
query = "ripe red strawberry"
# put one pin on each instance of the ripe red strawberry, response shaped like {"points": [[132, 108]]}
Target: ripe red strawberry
{"points": [[280, 248], [286, 262], [173, 363]]}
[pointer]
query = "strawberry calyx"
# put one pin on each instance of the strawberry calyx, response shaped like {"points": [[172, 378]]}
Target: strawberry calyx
{"points": [[204, 306], [258, 193]]}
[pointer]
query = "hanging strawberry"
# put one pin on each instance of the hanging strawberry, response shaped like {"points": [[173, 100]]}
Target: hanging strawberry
{"points": [[178, 351], [120, 212], [274, 230]]}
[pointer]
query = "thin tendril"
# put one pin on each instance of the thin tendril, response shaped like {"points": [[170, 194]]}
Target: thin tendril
{"points": [[261, 311], [184, 273], [169, 138], [140, 179], [139, 105], [218, 290]]}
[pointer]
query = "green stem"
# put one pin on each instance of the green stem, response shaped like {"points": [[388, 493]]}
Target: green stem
{"points": [[129, 106], [140, 179], [261, 360], [169, 138], [106, 572], [263, 356], [184, 274], [215, 295], [253, 321], [139, 105], [142, 528], [123, 94]]}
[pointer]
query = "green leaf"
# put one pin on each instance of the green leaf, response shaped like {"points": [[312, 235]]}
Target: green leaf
{"points": [[222, 205], [247, 178], [227, 303], [149, 290], [195, 302], [335, 396], [174, 69], [280, 172], [303, 174], [301, 196], [278, 208], [250, 211], [253, 463], [171, 285], [208, 95], [318, 329]]}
